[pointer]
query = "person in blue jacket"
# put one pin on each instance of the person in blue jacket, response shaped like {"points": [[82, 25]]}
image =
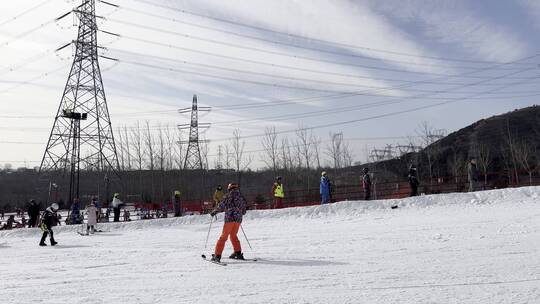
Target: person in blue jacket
{"points": [[75, 215], [325, 188]]}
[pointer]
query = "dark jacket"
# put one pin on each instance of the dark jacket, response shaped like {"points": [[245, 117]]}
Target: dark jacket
{"points": [[472, 172], [33, 210], [49, 218], [413, 180], [234, 205], [366, 182]]}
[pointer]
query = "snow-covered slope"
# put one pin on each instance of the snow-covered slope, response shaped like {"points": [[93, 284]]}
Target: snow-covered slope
{"points": [[454, 248]]}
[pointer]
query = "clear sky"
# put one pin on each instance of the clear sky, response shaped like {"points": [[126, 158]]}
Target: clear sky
{"points": [[369, 69]]}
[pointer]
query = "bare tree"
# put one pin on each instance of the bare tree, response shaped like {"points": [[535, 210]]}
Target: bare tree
{"points": [[316, 141], [228, 156], [127, 148], [204, 154], [456, 164], [137, 142], [428, 136], [485, 159], [305, 146], [162, 160], [179, 151], [334, 150], [149, 142], [218, 162], [270, 146], [241, 161], [287, 162], [512, 144], [347, 155], [525, 156], [120, 144]]}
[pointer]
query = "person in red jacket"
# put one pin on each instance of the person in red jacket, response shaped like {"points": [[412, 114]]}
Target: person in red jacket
{"points": [[234, 205]]}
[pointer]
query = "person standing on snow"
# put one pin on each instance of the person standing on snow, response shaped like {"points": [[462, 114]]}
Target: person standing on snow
{"points": [[366, 183], [234, 205], [48, 220], [75, 216], [324, 188], [218, 195], [116, 204], [177, 204], [33, 214], [98, 208], [413, 181], [278, 193], [472, 174], [91, 211]]}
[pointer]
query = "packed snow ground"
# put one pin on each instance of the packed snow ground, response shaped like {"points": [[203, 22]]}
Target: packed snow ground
{"points": [[453, 248]]}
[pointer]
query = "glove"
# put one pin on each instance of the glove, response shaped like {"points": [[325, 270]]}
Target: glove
{"points": [[213, 213]]}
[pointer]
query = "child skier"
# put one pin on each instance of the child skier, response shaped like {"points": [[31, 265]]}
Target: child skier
{"points": [[91, 211], [234, 205], [49, 217]]}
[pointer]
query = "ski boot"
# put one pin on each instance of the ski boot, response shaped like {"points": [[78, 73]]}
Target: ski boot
{"points": [[53, 243], [237, 255], [42, 244], [216, 258]]}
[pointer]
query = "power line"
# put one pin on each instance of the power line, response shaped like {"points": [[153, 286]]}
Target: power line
{"points": [[34, 79], [274, 65], [27, 61], [289, 35], [295, 56], [325, 82], [261, 83], [24, 13], [403, 111], [287, 44], [26, 33]]}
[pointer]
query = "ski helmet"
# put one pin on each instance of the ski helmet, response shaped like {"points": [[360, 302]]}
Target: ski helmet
{"points": [[366, 170], [323, 173], [55, 206], [232, 186]]}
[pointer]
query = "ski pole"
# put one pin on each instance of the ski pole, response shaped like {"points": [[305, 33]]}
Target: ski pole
{"points": [[208, 235], [246, 237]]}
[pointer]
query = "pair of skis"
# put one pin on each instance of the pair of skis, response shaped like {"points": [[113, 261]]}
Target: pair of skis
{"points": [[222, 263], [85, 234]]}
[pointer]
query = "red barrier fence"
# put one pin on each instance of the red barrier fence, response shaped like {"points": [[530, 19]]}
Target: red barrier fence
{"points": [[380, 190]]}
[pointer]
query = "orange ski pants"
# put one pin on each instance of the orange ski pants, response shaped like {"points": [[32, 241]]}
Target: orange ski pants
{"points": [[229, 230]]}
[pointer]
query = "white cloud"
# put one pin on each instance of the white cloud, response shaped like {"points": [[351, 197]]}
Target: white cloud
{"points": [[456, 24], [341, 21]]}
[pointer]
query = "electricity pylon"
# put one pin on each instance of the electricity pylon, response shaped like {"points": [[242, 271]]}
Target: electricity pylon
{"points": [[82, 134], [193, 160]]}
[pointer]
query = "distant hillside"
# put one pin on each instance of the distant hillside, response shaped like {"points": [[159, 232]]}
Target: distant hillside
{"points": [[509, 142]]}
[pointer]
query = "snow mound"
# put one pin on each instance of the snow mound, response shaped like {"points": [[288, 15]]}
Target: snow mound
{"points": [[344, 209]]}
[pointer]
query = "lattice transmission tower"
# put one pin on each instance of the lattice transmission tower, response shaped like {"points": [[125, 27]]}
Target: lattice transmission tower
{"points": [[193, 160], [82, 134]]}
